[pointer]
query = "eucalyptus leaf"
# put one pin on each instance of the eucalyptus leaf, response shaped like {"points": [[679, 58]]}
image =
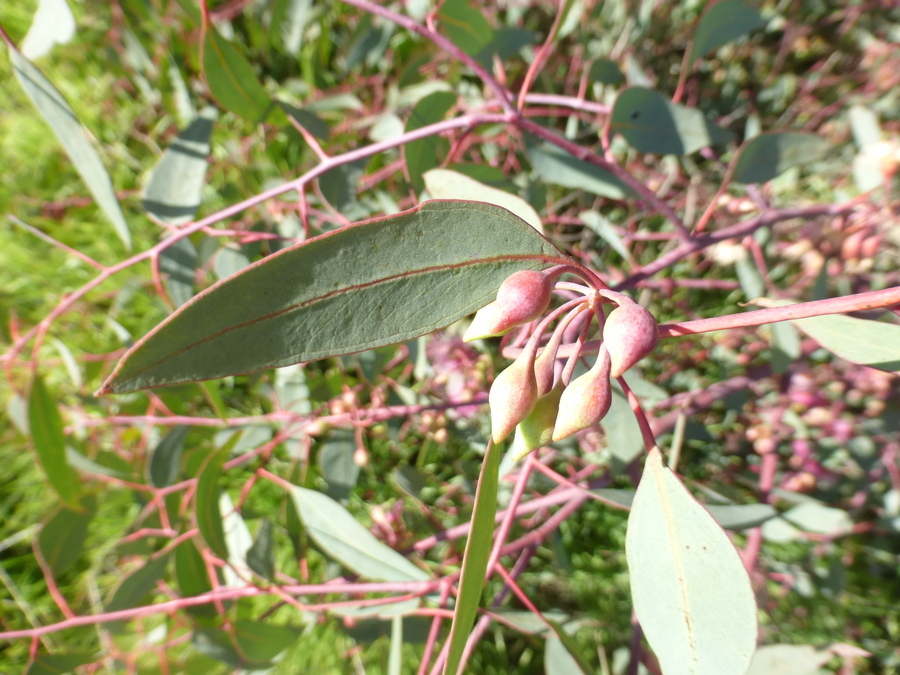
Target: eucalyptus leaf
{"points": [[46, 428], [652, 123], [380, 282], [475, 558], [691, 592], [722, 23], [344, 539], [557, 166], [64, 123], [172, 195], [766, 156]]}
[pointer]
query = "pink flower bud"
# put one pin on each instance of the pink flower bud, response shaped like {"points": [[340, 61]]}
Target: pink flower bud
{"points": [[536, 430], [586, 400], [512, 396], [629, 334], [523, 297]]}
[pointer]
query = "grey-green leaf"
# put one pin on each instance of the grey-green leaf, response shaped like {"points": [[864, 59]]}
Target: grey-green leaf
{"points": [[344, 539], [557, 166], [165, 461], [765, 156], [62, 120], [172, 195], [691, 592], [376, 283], [46, 428], [722, 23], [61, 538], [260, 556], [870, 343], [652, 123], [475, 559], [133, 588]]}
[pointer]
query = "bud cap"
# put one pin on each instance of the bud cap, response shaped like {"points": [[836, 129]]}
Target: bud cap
{"points": [[512, 396], [629, 334], [586, 400]]}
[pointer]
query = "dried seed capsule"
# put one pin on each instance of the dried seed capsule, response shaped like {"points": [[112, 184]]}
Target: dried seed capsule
{"points": [[536, 430], [523, 297], [512, 396], [629, 334], [586, 400]]}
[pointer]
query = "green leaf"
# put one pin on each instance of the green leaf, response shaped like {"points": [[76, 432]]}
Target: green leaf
{"points": [[720, 24], [58, 664], [818, 518], [380, 282], [344, 539], [64, 123], [178, 262], [61, 538], [869, 343], [192, 577], [690, 590], [447, 184], [337, 464], [605, 230], [465, 26], [652, 123], [475, 558], [422, 155], [260, 556], [172, 195], [165, 460], [289, 18], [232, 80], [395, 657], [789, 660], [555, 165], [258, 643], [605, 71], [741, 516], [209, 516], [46, 428], [623, 433], [133, 589], [558, 660], [765, 156]]}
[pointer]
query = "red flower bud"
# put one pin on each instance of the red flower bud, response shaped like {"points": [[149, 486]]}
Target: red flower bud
{"points": [[523, 297], [512, 396], [629, 334], [536, 430], [586, 400]]}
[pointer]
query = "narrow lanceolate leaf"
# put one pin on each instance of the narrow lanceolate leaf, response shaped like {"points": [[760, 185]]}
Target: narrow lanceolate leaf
{"points": [[720, 24], [380, 282], [764, 157], [652, 123], [232, 80], [690, 591], [165, 460], [870, 343], [475, 558], [133, 589], [46, 428], [209, 515], [62, 120], [61, 538], [344, 539], [172, 195], [557, 166]]}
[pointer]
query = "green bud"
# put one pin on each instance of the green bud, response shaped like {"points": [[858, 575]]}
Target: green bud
{"points": [[536, 430]]}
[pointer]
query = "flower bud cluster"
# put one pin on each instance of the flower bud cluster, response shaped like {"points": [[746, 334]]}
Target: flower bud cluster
{"points": [[528, 397]]}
